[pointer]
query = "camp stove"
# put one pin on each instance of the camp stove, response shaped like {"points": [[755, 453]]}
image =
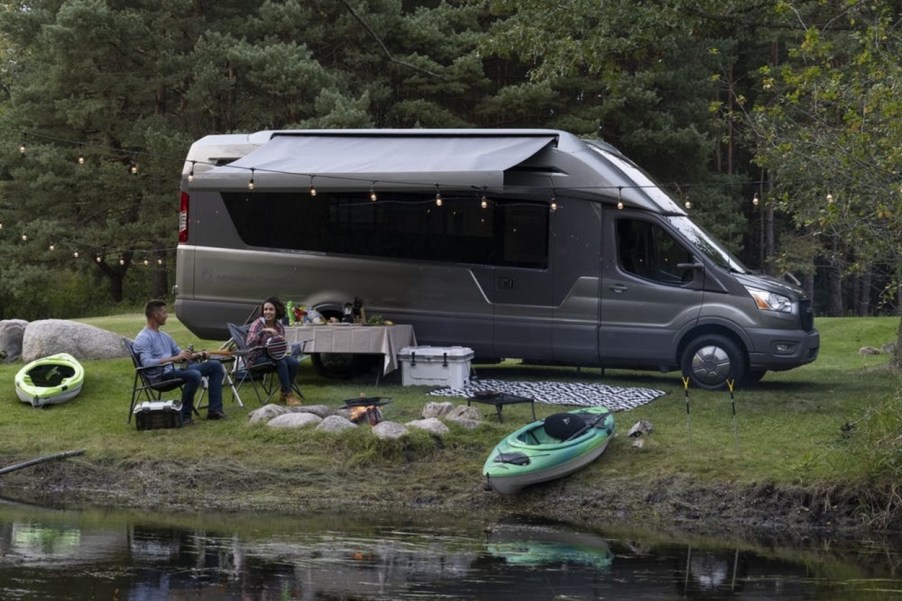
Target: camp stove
{"points": [[365, 409]]}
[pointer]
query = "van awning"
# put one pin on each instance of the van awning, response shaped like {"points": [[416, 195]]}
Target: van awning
{"points": [[355, 161]]}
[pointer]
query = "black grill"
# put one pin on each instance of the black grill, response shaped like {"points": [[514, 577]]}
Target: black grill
{"points": [[807, 315]]}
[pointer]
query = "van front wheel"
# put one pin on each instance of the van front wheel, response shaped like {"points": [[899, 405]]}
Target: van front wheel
{"points": [[710, 360]]}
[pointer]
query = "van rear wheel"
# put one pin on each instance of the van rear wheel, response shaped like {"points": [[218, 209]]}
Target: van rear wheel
{"points": [[339, 366], [710, 360]]}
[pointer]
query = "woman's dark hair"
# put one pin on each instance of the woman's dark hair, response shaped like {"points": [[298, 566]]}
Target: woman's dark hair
{"points": [[280, 307]]}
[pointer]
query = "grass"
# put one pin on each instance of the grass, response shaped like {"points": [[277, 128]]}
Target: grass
{"points": [[786, 430]]}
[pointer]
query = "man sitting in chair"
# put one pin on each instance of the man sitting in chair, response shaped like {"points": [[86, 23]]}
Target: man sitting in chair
{"points": [[158, 349]]}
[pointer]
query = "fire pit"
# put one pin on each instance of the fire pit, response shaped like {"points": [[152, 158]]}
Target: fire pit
{"points": [[365, 409]]}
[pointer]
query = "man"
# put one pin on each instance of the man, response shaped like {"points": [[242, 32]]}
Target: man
{"points": [[158, 349]]}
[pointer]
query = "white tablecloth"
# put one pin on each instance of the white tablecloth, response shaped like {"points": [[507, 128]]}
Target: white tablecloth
{"points": [[384, 340]]}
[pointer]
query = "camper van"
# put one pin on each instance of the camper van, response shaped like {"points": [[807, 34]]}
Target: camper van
{"points": [[519, 244]]}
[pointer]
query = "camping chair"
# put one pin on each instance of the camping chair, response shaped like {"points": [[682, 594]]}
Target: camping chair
{"points": [[263, 375], [151, 389]]}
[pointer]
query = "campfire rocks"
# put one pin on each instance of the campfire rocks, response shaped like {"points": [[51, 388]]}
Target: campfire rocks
{"points": [[327, 419]]}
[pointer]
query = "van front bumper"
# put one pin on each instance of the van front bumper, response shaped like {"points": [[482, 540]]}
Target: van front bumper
{"points": [[778, 350]]}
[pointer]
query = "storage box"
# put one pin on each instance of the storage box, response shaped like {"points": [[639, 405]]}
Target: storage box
{"points": [[156, 415], [435, 365]]}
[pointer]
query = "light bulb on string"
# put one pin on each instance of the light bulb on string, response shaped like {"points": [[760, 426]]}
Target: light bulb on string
{"points": [[22, 145], [159, 261], [98, 259], [755, 200], [484, 203], [146, 262], [830, 199], [81, 159], [312, 187], [250, 183], [121, 261], [620, 198], [24, 237], [75, 254], [688, 205], [373, 196], [553, 205], [133, 168], [52, 246], [191, 172], [438, 196]]}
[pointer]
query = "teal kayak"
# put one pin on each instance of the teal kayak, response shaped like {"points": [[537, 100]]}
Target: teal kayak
{"points": [[50, 380], [548, 449]]}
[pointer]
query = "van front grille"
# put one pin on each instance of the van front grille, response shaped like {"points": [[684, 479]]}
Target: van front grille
{"points": [[807, 315]]}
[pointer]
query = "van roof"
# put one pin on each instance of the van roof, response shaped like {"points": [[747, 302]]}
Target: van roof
{"points": [[487, 160]]}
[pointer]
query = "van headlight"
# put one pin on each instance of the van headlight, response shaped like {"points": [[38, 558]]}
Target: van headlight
{"points": [[770, 301]]}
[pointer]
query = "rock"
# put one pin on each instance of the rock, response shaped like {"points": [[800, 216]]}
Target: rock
{"points": [[464, 413], [435, 409], [432, 425], [389, 430], [11, 333], [321, 411], [84, 342], [295, 420], [889, 348], [265, 414], [336, 423], [868, 350]]}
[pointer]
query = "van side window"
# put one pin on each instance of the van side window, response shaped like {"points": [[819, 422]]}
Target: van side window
{"points": [[647, 250], [403, 225]]}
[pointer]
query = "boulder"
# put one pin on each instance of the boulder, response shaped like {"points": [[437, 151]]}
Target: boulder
{"points": [[11, 333], [265, 414], [336, 423], [84, 342], [434, 409], [432, 425], [389, 430], [295, 420]]}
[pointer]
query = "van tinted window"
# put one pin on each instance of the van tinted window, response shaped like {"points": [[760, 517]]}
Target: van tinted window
{"points": [[400, 225], [648, 251]]}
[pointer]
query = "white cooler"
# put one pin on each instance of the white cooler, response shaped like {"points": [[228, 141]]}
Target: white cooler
{"points": [[435, 365]]}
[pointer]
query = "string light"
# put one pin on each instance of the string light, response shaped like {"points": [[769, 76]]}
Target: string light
{"points": [[250, 184], [312, 187], [121, 261], [191, 172], [373, 196], [438, 196], [24, 237], [52, 246], [23, 146], [75, 254], [133, 167], [755, 200], [553, 205], [620, 198], [81, 158], [97, 258], [688, 205], [830, 199]]}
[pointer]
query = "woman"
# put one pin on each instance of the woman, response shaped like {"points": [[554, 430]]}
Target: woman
{"points": [[262, 329]]}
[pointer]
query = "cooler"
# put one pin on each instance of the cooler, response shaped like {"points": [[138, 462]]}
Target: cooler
{"points": [[156, 415], [435, 365]]}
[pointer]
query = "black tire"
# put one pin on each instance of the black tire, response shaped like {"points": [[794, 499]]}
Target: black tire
{"points": [[710, 360], [339, 366]]}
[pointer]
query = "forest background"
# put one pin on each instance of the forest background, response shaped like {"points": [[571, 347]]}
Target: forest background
{"points": [[779, 123]]}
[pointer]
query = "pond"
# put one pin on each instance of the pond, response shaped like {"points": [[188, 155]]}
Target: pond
{"points": [[90, 553]]}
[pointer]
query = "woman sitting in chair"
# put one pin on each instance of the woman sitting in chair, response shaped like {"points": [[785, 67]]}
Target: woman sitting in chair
{"points": [[261, 333]]}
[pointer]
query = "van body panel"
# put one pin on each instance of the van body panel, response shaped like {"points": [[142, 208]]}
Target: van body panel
{"points": [[573, 255]]}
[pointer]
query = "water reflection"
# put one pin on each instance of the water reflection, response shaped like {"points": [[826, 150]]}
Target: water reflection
{"points": [[101, 554]]}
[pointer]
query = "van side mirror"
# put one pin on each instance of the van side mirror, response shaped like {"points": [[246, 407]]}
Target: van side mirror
{"points": [[693, 275]]}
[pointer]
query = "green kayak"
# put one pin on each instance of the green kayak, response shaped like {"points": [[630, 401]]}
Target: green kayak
{"points": [[548, 449], [50, 380]]}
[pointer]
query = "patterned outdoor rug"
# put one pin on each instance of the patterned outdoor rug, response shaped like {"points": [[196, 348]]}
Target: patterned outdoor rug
{"points": [[560, 393]]}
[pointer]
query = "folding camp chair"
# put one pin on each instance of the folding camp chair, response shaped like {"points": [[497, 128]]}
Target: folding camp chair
{"points": [[262, 375], [144, 385]]}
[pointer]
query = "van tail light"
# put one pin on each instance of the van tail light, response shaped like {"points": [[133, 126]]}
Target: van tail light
{"points": [[183, 218]]}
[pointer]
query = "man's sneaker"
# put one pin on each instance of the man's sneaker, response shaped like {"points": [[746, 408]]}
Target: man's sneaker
{"points": [[216, 415]]}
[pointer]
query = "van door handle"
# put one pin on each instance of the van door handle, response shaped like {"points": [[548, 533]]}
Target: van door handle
{"points": [[619, 288]]}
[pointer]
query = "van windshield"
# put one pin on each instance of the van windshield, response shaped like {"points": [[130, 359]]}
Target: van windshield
{"points": [[704, 243]]}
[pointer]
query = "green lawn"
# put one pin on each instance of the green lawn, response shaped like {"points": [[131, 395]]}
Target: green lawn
{"points": [[788, 429]]}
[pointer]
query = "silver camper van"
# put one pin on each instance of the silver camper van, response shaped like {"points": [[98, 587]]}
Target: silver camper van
{"points": [[527, 244]]}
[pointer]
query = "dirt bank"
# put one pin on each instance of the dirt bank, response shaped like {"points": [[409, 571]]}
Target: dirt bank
{"points": [[761, 511]]}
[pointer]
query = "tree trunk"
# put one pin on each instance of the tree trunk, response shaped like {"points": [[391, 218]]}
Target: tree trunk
{"points": [[160, 284], [864, 293], [834, 279], [117, 278]]}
